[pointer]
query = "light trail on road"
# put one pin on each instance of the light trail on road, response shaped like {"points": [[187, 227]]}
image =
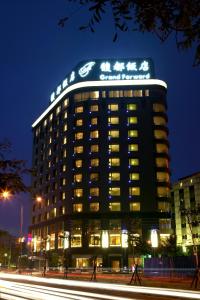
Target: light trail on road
{"points": [[43, 292], [62, 288]]}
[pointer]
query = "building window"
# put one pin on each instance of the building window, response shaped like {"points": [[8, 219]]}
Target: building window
{"points": [[94, 121], [79, 122], [94, 192], [131, 106], [114, 206], [78, 149], [78, 177], [58, 110], [63, 196], [64, 140], [78, 193], [113, 107], [76, 240], [161, 162], [94, 176], [115, 94], [86, 95], [132, 147], [94, 134], [51, 117], [132, 133], [164, 225], [134, 206], [115, 240], [94, 162], [77, 97], [94, 108], [114, 162], [113, 133], [94, 95], [137, 93], [160, 134], [94, 148], [162, 148], [163, 191], [78, 163], [132, 120], [133, 162], [128, 93], [158, 107], [134, 176], [114, 176], [77, 207], [45, 123], [114, 191], [134, 191], [113, 148], [78, 109], [103, 94], [159, 121], [65, 115], [113, 120], [65, 127], [64, 153], [94, 206], [78, 135], [66, 102], [95, 240], [163, 206], [162, 176]]}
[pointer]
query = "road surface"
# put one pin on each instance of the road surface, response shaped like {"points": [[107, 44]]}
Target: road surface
{"points": [[15, 287]]}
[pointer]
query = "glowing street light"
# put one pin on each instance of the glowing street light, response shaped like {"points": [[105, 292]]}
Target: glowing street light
{"points": [[39, 199], [5, 194]]}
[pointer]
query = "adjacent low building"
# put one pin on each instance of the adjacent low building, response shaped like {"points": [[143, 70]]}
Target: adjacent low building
{"points": [[101, 159], [186, 199]]}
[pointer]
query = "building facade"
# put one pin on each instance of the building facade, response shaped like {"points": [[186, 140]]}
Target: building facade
{"points": [[186, 200], [100, 154]]}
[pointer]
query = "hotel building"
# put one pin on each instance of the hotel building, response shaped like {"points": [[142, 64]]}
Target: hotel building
{"points": [[186, 201], [100, 155]]}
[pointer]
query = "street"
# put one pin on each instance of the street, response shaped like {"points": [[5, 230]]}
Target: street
{"points": [[14, 286]]}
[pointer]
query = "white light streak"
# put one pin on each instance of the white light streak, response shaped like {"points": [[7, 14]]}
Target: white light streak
{"points": [[187, 294], [98, 84]]}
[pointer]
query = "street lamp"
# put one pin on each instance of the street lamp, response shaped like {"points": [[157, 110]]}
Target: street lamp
{"points": [[5, 194]]}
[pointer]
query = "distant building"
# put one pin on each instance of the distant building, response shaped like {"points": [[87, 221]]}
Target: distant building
{"points": [[100, 153], [186, 199]]}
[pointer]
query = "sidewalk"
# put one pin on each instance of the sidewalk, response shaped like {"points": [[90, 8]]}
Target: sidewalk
{"points": [[162, 282]]}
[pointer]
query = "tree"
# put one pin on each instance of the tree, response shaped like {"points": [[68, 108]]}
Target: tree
{"points": [[160, 17], [11, 171], [170, 248]]}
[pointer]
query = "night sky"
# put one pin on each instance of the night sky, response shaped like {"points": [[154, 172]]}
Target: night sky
{"points": [[35, 55]]}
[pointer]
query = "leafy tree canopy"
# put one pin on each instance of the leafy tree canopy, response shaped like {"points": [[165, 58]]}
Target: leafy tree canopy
{"points": [[11, 171], [160, 17]]}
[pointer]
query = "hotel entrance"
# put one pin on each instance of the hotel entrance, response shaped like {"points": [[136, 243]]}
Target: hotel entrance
{"points": [[115, 263]]}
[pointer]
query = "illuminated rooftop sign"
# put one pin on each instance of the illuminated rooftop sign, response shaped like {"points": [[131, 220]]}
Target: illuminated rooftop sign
{"points": [[108, 69]]}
